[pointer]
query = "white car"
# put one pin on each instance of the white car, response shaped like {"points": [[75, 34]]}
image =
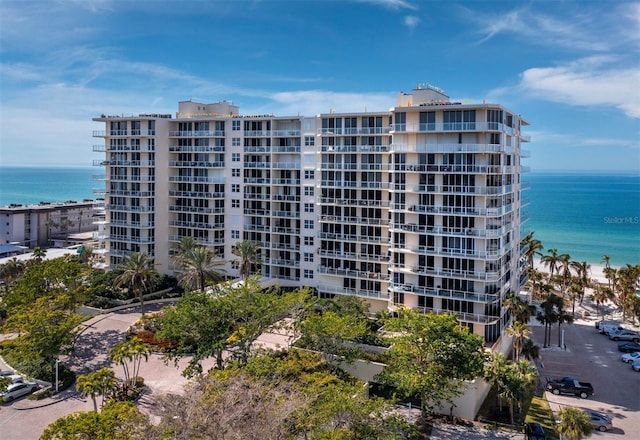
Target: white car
{"points": [[20, 389], [636, 365], [630, 357], [606, 329]]}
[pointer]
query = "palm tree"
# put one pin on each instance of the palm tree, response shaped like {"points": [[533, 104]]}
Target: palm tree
{"points": [[582, 269], [249, 253], [38, 254], [548, 316], [601, 294], [530, 350], [564, 271], [574, 424], [102, 381], [628, 283], [12, 269], [494, 373], [607, 267], [532, 248], [138, 275], [132, 351], [575, 291], [199, 265], [539, 287], [519, 331], [551, 261], [562, 317]]}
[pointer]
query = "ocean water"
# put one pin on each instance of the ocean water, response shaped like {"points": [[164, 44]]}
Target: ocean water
{"points": [[31, 185], [585, 215]]}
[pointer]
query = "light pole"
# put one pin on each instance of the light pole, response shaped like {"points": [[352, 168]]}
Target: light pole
{"points": [[57, 362]]}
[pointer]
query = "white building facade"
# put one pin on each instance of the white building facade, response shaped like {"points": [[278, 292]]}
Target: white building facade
{"points": [[419, 205]]}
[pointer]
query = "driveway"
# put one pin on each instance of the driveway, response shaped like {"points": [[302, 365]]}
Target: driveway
{"points": [[592, 357]]}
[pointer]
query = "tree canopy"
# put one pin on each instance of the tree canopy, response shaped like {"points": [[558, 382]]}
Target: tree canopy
{"points": [[431, 357]]}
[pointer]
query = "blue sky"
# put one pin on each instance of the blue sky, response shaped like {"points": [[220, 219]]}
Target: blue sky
{"points": [[572, 68]]}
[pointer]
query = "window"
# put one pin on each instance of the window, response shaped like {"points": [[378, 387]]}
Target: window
{"points": [[308, 241], [309, 141], [235, 187], [308, 224], [309, 174], [235, 203], [235, 142], [235, 126], [307, 273], [235, 172], [308, 207], [235, 157], [308, 190], [235, 234], [308, 257]]}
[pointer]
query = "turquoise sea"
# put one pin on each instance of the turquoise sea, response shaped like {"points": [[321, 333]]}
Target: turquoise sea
{"points": [[585, 215]]}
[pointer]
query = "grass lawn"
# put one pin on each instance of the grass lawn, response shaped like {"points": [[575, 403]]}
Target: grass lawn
{"points": [[540, 412]]}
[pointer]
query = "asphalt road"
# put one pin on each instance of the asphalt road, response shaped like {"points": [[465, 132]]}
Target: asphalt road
{"points": [[592, 357]]}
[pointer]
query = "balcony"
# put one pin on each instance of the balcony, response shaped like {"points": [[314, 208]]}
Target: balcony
{"points": [[283, 198], [449, 126], [285, 165], [260, 181], [196, 179], [454, 273], [281, 262], [125, 163], [353, 131], [285, 246], [130, 239], [468, 253], [250, 227], [196, 225], [198, 133], [353, 220], [353, 184], [99, 148], [348, 273], [138, 194], [447, 148], [126, 208], [197, 149], [285, 133], [286, 214], [197, 209], [444, 293], [286, 149], [466, 190], [354, 148], [196, 194], [353, 238], [451, 231], [375, 294], [257, 149], [350, 256], [200, 241], [195, 164], [353, 202]]}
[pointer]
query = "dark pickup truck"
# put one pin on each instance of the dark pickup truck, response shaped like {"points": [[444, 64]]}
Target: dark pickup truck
{"points": [[569, 385]]}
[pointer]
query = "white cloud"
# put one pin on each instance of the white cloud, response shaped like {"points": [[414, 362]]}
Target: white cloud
{"points": [[593, 81], [570, 140], [391, 4], [411, 22]]}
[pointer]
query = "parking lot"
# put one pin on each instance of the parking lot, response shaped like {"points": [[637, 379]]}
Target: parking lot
{"points": [[592, 357]]}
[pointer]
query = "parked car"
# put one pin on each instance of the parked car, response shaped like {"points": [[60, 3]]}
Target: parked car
{"points": [[20, 389], [628, 347], [630, 357], [603, 322], [15, 378], [606, 329], [625, 335], [533, 431], [4, 373], [569, 385], [636, 365], [600, 421]]}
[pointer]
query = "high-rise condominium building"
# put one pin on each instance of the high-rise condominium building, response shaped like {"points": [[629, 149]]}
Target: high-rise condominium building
{"points": [[418, 206]]}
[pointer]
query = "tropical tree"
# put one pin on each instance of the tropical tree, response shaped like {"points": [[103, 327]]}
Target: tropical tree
{"points": [[130, 351], [519, 309], [494, 373], [532, 247], [601, 294], [137, 274], [11, 270], [38, 254], [431, 358], [519, 331], [101, 382], [582, 269], [530, 350], [548, 316], [575, 424], [539, 287], [249, 254], [117, 421], [628, 284], [562, 318], [565, 272], [606, 259], [198, 266], [551, 261], [576, 291]]}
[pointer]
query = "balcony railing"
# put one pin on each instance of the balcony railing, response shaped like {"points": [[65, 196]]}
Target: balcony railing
{"points": [[197, 133], [376, 294], [352, 273], [448, 148], [354, 220], [353, 238]]}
